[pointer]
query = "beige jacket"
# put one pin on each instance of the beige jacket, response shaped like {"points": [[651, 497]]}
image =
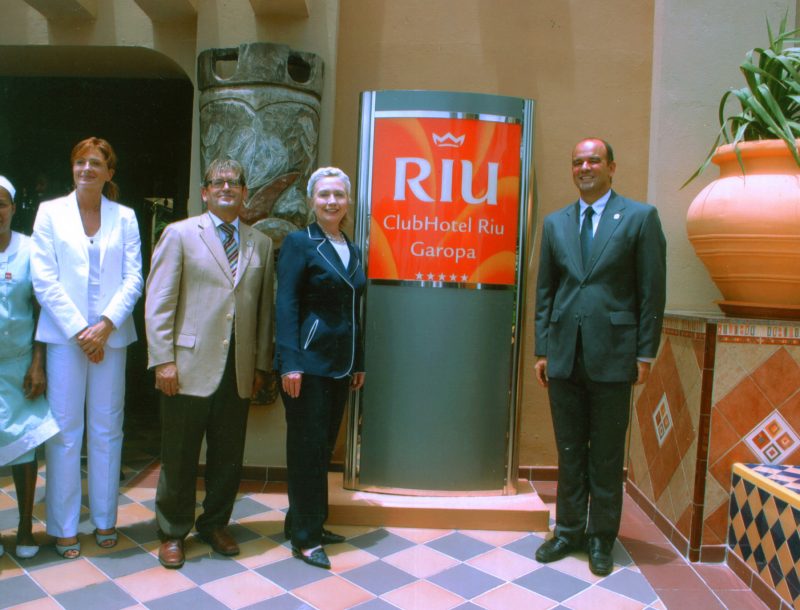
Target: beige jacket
{"points": [[193, 302]]}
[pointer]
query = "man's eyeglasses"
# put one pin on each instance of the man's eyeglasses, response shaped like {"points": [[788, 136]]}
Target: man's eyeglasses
{"points": [[218, 183]]}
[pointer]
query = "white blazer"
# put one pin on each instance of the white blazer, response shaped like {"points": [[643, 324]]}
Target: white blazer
{"points": [[60, 270]]}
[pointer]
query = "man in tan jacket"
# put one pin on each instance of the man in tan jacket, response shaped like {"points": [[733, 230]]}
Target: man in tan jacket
{"points": [[208, 315]]}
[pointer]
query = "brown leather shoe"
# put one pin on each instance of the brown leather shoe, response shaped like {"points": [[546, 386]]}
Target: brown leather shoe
{"points": [[221, 541], [170, 553]]}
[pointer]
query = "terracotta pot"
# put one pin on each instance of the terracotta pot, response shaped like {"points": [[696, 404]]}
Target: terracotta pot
{"points": [[745, 228]]}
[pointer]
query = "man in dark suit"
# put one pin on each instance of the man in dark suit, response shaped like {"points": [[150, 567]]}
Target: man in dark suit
{"points": [[208, 315], [600, 298]]}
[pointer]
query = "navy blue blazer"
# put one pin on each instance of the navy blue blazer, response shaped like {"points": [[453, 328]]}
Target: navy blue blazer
{"points": [[317, 307], [617, 302]]}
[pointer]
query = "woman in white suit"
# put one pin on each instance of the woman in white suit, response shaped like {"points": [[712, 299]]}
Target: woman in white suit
{"points": [[87, 274]]}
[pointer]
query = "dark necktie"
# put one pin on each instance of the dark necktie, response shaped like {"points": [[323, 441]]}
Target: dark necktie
{"points": [[586, 236], [230, 245]]}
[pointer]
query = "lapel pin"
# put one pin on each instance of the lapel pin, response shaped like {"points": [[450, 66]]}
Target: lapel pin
{"points": [[616, 216], [249, 243]]}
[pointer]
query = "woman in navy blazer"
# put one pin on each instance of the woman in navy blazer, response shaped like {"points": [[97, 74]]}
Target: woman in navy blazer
{"points": [[319, 355], [86, 268]]}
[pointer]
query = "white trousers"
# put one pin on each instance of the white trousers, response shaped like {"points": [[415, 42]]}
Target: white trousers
{"points": [[79, 390]]}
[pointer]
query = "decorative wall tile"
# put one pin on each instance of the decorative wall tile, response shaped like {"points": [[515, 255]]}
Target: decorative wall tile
{"points": [[662, 420], [773, 439]]}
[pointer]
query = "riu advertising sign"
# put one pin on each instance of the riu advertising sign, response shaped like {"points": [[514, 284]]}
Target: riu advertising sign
{"points": [[445, 200]]}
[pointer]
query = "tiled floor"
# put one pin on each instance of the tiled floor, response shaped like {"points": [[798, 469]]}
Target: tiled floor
{"points": [[377, 569]]}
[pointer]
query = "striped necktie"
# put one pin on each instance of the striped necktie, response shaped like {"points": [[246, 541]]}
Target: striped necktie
{"points": [[230, 245]]}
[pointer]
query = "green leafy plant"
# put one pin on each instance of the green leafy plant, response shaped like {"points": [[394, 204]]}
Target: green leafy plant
{"points": [[770, 101]]}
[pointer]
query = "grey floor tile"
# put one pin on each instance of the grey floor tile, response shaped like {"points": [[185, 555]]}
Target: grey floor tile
{"points": [[45, 558], [291, 573], [526, 546], [631, 584], [151, 504], [105, 595], [242, 533], [620, 555], [465, 581], [246, 507], [18, 590], [122, 563], [378, 577], [379, 604], [282, 602], [142, 532], [468, 606], [552, 583], [9, 518], [380, 543], [459, 546], [196, 599], [205, 568]]}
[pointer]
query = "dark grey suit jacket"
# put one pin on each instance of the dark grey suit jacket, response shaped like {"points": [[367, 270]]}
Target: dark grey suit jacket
{"points": [[618, 301]]}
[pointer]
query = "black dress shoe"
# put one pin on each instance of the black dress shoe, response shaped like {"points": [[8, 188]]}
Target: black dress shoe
{"points": [[554, 549], [600, 561], [317, 558], [328, 537]]}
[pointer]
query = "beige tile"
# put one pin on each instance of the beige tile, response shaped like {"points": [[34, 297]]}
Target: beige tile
{"points": [[256, 553], [68, 575], [242, 589], [6, 484], [271, 499], [493, 537], [423, 595], [504, 564], [346, 557], [417, 534], [154, 583], [129, 514], [598, 597], [680, 489], [693, 396], [7, 502], [421, 561], [139, 494], [578, 566], [715, 495], [727, 372], [750, 356], [8, 568], [267, 523], [334, 593], [512, 596], [794, 352]]}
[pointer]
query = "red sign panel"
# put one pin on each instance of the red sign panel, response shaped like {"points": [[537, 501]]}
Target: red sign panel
{"points": [[445, 200]]}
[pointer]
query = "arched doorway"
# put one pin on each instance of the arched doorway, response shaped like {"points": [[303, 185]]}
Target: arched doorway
{"points": [[139, 100]]}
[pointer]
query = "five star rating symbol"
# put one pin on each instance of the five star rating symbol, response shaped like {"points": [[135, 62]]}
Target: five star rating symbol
{"points": [[441, 277]]}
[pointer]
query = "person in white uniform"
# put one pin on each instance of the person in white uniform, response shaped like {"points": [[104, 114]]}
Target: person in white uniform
{"points": [[25, 418], [87, 274]]}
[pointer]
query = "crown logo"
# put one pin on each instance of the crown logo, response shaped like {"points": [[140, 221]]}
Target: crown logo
{"points": [[448, 140]]}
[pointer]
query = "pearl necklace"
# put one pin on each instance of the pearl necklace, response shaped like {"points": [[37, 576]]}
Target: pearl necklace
{"points": [[338, 239]]}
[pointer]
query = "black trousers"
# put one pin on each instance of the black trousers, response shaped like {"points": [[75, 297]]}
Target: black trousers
{"points": [[590, 420], [312, 425], [222, 419]]}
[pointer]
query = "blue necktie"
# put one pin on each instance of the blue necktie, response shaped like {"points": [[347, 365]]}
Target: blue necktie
{"points": [[586, 236]]}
